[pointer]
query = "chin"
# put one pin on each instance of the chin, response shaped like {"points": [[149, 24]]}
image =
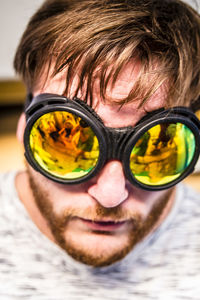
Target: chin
{"points": [[96, 249]]}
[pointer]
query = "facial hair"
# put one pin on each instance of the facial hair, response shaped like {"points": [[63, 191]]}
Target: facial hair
{"points": [[139, 228]]}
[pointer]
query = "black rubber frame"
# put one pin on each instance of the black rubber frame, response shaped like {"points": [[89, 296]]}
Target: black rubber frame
{"points": [[114, 143]]}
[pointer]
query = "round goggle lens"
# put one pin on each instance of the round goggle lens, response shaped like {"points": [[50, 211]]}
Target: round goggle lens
{"points": [[162, 153], [64, 145]]}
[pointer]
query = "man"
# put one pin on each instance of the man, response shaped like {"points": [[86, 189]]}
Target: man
{"points": [[108, 132]]}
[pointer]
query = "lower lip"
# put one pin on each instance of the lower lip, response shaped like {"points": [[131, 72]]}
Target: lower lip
{"points": [[103, 226]]}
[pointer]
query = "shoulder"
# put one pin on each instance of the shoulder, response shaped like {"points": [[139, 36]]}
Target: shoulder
{"points": [[8, 192], [189, 199], [7, 182], [185, 227]]}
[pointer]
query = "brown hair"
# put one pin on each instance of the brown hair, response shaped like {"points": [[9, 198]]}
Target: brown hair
{"points": [[104, 35]]}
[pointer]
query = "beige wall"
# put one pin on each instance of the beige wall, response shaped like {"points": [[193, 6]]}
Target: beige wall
{"points": [[14, 15]]}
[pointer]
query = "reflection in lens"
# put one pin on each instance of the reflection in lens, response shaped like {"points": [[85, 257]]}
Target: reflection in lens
{"points": [[162, 153], [64, 145]]}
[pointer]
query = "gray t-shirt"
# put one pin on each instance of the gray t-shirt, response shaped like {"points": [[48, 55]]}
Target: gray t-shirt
{"points": [[165, 266]]}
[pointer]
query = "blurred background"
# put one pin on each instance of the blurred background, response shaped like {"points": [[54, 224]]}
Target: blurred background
{"points": [[14, 16]]}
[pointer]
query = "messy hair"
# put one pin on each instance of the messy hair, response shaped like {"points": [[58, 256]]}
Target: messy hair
{"points": [[83, 36]]}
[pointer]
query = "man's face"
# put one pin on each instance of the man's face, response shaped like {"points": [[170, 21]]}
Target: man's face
{"points": [[98, 222]]}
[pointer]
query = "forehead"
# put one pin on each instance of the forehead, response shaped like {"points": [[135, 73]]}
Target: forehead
{"points": [[114, 93], [111, 114]]}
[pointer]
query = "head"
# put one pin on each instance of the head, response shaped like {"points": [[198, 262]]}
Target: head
{"points": [[124, 59]]}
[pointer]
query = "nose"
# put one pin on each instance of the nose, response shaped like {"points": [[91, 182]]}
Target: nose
{"points": [[109, 188]]}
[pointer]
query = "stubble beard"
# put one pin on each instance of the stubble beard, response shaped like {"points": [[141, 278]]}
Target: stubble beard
{"points": [[58, 225]]}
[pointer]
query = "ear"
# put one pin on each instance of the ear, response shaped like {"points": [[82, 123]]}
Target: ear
{"points": [[21, 127]]}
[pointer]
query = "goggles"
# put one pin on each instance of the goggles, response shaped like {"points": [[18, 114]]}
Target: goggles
{"points": [[66, 141]]}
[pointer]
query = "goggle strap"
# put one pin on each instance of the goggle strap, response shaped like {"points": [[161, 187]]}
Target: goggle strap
{"points": [[195, 106], [29, 98]]}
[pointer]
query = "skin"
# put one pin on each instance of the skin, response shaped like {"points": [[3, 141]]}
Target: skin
{"points": [[97, 222]]}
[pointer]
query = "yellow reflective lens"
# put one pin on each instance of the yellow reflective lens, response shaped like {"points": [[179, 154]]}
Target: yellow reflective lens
{"points": [[162, 153], [64, 145]]}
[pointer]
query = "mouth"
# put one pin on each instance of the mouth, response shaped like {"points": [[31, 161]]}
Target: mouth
{"points": [[103, 225]]}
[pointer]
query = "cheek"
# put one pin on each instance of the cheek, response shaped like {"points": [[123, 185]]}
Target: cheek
{"points": [[47, 188], [61, 197], [155, 201], [142, 201]]}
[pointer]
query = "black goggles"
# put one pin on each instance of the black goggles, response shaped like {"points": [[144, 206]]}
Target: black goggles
{"points": [[66, 141]]}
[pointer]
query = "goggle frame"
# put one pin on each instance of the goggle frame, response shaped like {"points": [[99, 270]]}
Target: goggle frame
{"points": [[114, 143]]}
